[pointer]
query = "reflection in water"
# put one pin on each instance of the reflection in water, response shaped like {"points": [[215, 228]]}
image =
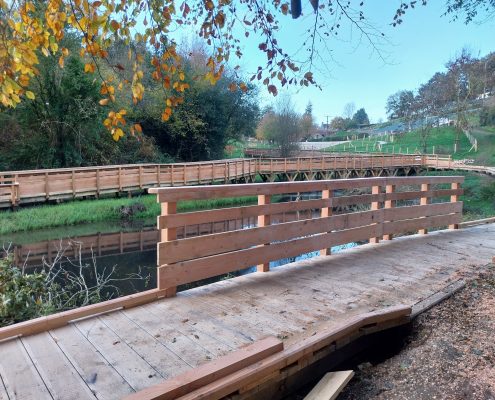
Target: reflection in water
{"points": [[130, 250]]}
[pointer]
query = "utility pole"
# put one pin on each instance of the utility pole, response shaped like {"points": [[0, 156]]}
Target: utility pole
{"points": [[327, 116]]}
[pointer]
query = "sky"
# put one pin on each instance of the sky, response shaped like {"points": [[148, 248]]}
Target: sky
{"points": [[353, 72]]}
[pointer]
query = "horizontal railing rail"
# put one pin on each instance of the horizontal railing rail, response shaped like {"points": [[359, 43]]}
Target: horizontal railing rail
{"points": [[347, 211]]}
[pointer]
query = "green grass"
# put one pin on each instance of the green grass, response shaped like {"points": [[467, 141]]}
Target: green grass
{"points": [[486, 145], [441, 140], [93, 211], [478, 198]]}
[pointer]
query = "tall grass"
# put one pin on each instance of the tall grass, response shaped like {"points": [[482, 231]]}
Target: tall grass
{"points": [[91, 211]]}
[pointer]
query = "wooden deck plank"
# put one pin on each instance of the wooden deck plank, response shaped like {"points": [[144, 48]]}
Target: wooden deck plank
{"points": [[3, 390], [200, 324], [19, 375], [160, 357], [58, 374], [136, 371], [329, 387], [187, 349], [104, 381]]}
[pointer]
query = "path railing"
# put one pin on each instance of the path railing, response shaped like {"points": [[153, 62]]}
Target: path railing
{"points": [[20, 187], [382, 207], [47, 184]]}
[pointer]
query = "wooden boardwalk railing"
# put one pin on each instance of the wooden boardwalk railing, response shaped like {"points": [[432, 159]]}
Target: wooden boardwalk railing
{"points": [[20, 187], [40, 185], [387, 207]]}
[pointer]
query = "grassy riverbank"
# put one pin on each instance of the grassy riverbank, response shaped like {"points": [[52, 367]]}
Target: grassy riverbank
{"points": [[479, 194], [91, 211]]}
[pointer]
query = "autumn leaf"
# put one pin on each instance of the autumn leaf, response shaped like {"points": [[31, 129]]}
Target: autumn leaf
{"points": [[30, 95]]}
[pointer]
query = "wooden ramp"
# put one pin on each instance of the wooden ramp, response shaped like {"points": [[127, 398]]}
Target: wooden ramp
{"points": [[112, 355]]}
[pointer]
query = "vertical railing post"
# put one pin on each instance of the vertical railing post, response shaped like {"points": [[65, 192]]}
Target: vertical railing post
{"points": [[454, 198], [263, 220], [326, 212], [97, 182], [47, 190], [375, 205], [166, 235], [389, 189], [120, 179], [73, 184], [425, 187]]}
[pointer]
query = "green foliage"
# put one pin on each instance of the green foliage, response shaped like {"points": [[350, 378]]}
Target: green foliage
{"points": [[360, 117], [487, 116], [22, 296], [62, 126], [201, 127]]}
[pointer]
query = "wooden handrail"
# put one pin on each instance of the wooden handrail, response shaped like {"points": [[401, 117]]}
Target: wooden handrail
{"points": [[48, 184], [182, 261]]}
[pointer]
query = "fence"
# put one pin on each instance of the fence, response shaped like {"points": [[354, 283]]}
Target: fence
{"points": [[41, 185], [472, 140], [18, 187], [386, 207]]}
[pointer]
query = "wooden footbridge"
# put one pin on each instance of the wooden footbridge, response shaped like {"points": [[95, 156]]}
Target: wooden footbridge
{"points": [[21, 187], [261, 334]]}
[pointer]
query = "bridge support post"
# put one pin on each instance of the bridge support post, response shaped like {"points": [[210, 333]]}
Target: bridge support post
{"points": [[166, 235], [424, 201], [389, 204], [375, 205], [454, 198], [326, 212], [263, 220]]}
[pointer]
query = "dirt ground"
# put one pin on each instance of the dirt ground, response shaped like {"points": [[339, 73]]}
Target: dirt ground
{"points": [[449, 355]]}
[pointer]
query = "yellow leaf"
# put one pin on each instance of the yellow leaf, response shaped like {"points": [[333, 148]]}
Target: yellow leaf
{"points": [[104, 102], [182, 76], [30, 95], [61, 61], [89, 68]]}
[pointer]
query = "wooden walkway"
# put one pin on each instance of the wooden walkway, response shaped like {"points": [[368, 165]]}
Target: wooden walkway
{"points": [[112, 355], [35, 186]]}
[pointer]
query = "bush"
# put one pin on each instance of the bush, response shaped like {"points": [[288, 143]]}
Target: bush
{"points": [[22, 296]]}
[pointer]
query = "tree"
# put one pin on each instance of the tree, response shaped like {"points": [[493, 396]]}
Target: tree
{"points": [[308, 121], [349, 110], [399, 105], [360, 117], [338, 123], [209, 116], [282, 126], [32, 29]]}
